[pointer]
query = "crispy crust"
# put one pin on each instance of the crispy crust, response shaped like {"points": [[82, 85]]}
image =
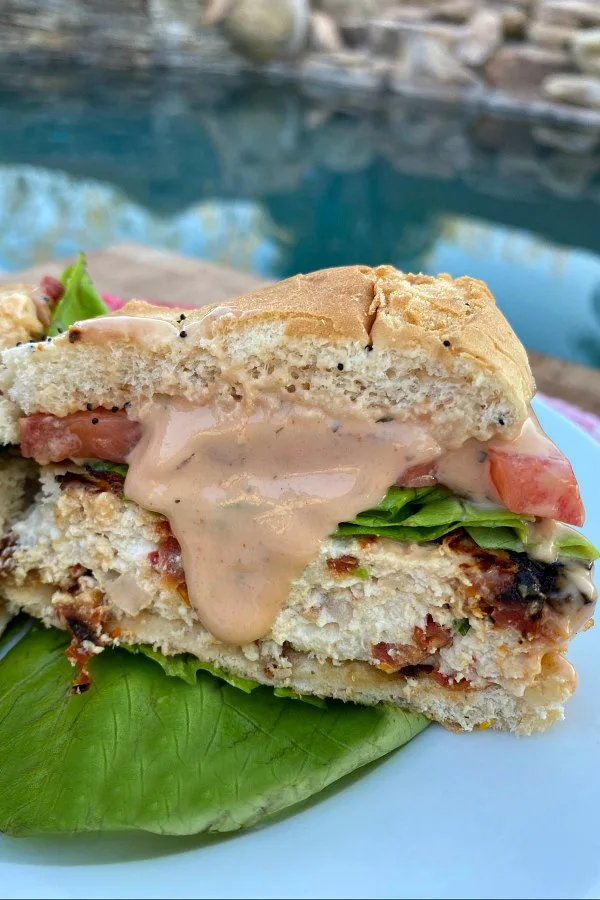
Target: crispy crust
{"points": [[384, 308], [446, 315], [330, 303]]}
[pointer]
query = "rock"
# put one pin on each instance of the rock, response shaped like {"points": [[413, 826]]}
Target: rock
{"points": [[348, 9], [324, 34], [413, 12], [555, 14], [107, 34], [389, 37], [570, 12], [267, 29], [182, 37], [550, 35], [482, 38], [522, 67], [514, 21], [354, 32], [586, 50], [213, 12], [383, 37], [429, 60], [353, 70], [580, 90], [453, 10], [566, 139]]}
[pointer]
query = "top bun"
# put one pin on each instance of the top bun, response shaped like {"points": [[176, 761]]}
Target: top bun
{"points": [[415, 347]]}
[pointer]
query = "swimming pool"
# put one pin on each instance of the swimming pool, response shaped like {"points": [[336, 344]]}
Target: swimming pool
{"points": [[275, 179]]}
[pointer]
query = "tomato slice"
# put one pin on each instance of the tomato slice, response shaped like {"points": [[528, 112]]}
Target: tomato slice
{"points": [[98, 434], [543, 486], [422, 475]]}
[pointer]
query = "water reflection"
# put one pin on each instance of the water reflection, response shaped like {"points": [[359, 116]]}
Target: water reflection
{"points": [[272, 180], [589, 343], [46, 214], [549, 293]]}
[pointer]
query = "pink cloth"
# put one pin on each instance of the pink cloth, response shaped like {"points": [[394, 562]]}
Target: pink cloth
{"points": [[585, 420], [113, 302]]}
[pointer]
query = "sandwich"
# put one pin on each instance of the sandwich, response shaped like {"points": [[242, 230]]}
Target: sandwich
{"points": [[334, 486], [25, 314]]}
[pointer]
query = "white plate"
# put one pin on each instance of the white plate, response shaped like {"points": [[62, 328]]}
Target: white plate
{"points": [[481, 815]]}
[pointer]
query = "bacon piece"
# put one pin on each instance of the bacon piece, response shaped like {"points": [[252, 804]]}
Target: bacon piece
{"points": [[86, 623], [166, 560], [431, 638], [427, 641], [450, 682], [343, 565], [511, 589], [97, 434], [96, 482], [392, 657]]}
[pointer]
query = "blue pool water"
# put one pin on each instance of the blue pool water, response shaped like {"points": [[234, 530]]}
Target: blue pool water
{"points": [[276, 180]]}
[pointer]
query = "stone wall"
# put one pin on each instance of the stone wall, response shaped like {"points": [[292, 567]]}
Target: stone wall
{"points": [[534, 56]]}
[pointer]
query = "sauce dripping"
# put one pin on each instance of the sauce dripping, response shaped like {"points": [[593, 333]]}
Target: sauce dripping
{"points": [[250, 496]]}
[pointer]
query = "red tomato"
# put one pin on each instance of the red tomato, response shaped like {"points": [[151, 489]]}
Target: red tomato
{"points": [[422, 475], [98, 434], [542, 486], [52, 288]]}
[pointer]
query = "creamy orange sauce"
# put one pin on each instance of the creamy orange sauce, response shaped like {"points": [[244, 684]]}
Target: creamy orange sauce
{"points": [[145, 331], [466, 470], [153, 332], [250, 495], [467, 473]]}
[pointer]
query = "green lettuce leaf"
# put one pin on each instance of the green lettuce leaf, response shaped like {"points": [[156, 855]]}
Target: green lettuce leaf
{"points": [[14, 630], [304, 698], [429, 513], [186, 667], [80, 300], [573, 543], [496, 538], [101, 465], [141, 751]]}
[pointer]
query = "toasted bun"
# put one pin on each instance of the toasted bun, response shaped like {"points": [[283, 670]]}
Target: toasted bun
{"points": [[411, 346], [21, 314]]}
